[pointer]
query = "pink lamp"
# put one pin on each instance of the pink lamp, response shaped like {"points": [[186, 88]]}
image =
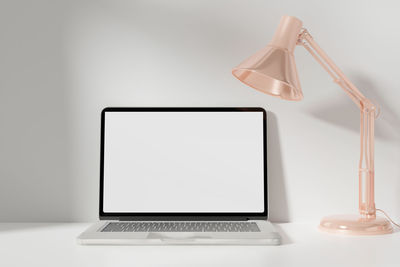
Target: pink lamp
{"points": [[272, 70]]}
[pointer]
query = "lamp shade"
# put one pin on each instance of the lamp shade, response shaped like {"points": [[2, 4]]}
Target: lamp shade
{"points": [[272, 70]]}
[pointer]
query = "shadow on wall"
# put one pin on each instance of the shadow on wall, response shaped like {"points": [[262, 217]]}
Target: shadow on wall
{"points": [[34, 138], [344, 113], [277, 195]]}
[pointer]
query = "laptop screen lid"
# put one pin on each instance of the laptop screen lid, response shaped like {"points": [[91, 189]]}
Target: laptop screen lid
{"points": [[183, 164]]}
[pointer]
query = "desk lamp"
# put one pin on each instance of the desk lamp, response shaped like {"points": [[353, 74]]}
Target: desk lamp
{"points": [[272, 70]]}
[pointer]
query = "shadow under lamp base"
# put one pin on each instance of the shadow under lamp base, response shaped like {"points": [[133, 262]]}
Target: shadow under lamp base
{"points": [[355, 225]]}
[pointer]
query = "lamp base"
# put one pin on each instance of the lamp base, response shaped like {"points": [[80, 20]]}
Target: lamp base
{"points": [[355, 225]]}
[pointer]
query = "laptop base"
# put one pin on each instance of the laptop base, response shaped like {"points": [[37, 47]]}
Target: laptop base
{"points": [[267, 236]]}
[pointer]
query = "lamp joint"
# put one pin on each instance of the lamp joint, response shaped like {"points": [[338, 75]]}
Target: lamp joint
{"points": [[338, 80], [303, 36]]}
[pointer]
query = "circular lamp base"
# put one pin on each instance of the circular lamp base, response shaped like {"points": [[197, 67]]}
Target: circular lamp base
{"points": [[355, 225]]}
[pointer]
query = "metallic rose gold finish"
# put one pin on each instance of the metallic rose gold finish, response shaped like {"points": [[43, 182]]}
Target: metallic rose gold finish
{"points": [[367, 119], [356, 225], [272, 70], [287, 34]]}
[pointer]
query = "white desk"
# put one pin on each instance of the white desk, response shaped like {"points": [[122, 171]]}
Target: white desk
{"points": [[55, 245]]}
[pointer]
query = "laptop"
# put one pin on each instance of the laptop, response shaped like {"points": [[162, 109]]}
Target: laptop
{"points": [[183, 176]]}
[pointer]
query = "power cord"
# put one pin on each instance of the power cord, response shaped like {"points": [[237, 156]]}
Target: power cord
{"points": [[390, 219]]}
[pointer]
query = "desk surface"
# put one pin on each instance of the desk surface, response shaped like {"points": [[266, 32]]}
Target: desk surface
{"points": [[303, 245]]}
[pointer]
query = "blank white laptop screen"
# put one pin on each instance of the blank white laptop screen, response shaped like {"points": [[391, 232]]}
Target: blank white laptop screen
{"points": [[183, 162]]}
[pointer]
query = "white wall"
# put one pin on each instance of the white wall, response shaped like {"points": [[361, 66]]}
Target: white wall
{"points": [[61, 62]]}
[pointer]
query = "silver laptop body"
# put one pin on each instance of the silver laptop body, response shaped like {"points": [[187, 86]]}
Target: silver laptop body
{"points": [[193, 176]]}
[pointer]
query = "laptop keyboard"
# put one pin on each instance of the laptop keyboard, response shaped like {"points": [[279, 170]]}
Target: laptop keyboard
{"points": [[181, 227]]}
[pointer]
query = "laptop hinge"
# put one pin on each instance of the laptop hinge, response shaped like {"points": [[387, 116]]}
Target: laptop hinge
{"points": [[183, 218]]}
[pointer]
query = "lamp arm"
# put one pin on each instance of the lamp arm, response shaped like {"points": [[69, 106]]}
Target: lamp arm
{"points": [[368, 112]]}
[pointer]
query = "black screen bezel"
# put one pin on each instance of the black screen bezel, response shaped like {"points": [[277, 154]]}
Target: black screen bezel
{"points": [[182, 216]]}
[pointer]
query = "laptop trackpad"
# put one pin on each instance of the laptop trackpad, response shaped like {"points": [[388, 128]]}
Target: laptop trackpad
{"points": [[178, 236]]}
